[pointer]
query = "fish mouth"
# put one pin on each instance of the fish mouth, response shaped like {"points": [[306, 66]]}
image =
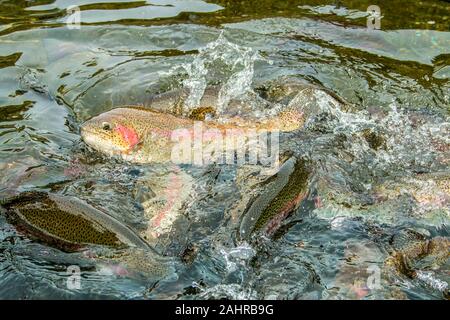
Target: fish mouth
{"points": [[99, 144], [84, 131], [88, 137], [87, 134]]}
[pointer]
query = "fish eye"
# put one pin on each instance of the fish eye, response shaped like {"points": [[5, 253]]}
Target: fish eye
{"points": [[106, 126]]}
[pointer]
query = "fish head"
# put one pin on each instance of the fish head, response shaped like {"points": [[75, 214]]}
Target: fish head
{"points": [[111, 133]]}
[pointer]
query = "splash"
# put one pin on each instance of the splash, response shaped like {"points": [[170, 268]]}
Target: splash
{"points": [[228, 291], [406, 145], [237, 256], [432, 281], [233, 61], [411, 140]]}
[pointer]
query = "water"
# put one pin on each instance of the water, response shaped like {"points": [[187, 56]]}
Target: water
{"points": [[54, 76]]}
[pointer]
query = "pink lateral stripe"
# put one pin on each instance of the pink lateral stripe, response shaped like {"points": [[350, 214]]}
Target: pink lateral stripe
{"points": [[275, 223]]}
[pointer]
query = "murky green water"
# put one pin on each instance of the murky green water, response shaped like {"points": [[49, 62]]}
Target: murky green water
{"points": [[55, 75]]}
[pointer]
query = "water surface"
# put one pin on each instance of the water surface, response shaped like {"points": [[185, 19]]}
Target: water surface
{"points": [[55, 75]]}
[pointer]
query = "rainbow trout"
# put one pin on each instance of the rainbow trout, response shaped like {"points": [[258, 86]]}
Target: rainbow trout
{"points": [[67, 223], [283, 193], [146, 135]]}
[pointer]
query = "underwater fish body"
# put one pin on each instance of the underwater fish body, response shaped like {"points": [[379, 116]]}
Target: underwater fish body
{"points": [[411, 250], [67, 222], [282, 194], [409, 247]]}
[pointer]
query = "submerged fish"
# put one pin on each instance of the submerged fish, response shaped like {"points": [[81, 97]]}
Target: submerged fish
{"points": [[67, 222], [135, 261], [422, 197], [283, 193], [413, 252], [431, 190], [409, 247]]}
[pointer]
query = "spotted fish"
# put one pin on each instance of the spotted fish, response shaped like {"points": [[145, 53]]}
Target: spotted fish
{"points": [[145, 135], [67, 222], [409, 246], [282, 194]]}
